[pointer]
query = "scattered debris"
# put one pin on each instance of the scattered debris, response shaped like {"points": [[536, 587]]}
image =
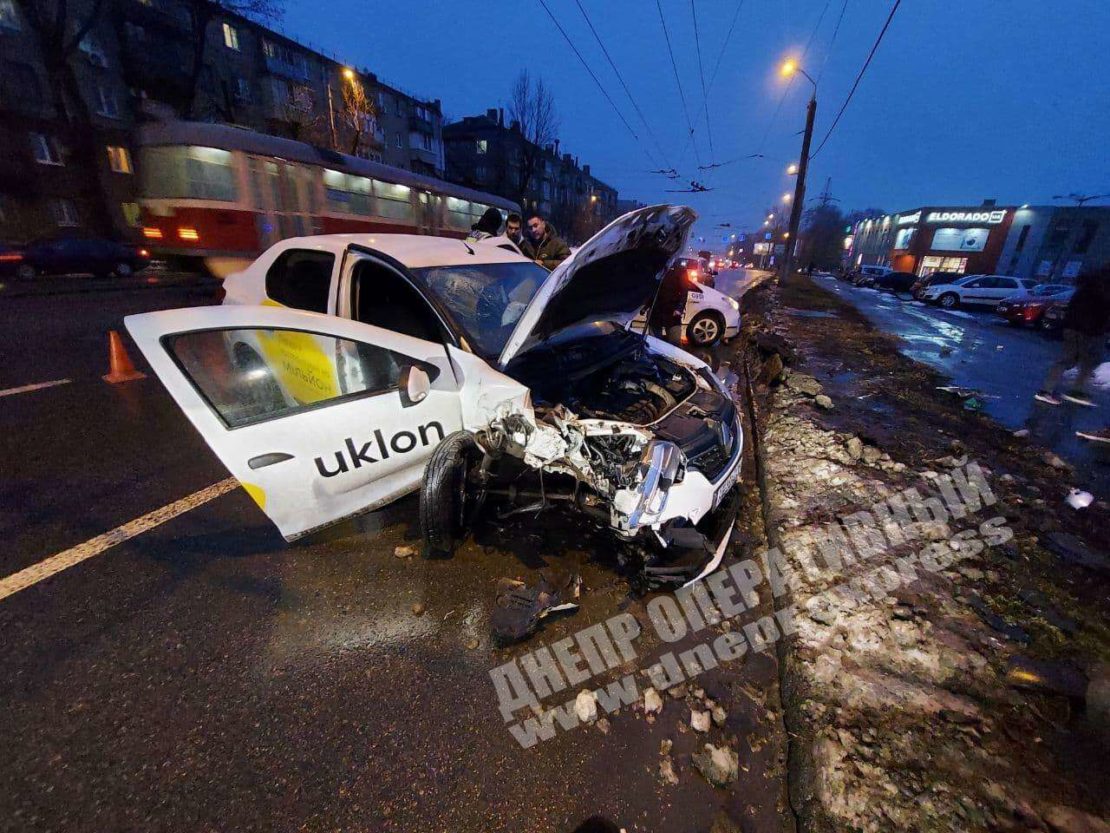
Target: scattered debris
{"points": [[1074, 551], [1051, 677], [1053, 459], [824, 402], [472, 644], [404, 551], [1078, 499], [666, 770], [417, 609], [803, 383], [519, 608], [585, 706], [653, 703], [699, 721], [718, 764], [1022, 432], [1011, 632], [719, 714], [1063, 819], [1040, 603], [603, 725]]}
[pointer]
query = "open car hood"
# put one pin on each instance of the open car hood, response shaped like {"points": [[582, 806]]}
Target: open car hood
{"points": [[613, 276]]}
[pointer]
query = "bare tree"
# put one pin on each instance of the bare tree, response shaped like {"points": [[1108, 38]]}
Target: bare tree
{"points": [[359, 115], [532, 107], [59, 30], [201, 15]]}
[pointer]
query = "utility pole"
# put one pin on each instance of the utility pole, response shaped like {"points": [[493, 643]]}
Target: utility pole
{"points": [[800, 187]]}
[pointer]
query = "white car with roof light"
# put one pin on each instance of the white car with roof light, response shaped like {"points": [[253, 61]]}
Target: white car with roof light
{"points": [[344, 371]]}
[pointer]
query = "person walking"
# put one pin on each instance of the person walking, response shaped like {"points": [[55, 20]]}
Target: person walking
{"points": [[488, 226], [1086, 321], [543, 245]]}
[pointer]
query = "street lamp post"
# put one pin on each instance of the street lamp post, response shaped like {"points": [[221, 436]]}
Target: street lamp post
{"points": [[789, 68]]}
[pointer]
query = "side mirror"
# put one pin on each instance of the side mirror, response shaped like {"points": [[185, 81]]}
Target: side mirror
{"points": [[414, 385]]}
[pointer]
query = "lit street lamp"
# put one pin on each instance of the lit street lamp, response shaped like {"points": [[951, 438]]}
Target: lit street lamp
{"points": [[789, 68], [792, 169]]}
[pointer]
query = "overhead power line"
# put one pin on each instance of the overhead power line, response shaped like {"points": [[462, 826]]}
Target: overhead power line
{"points": [[627, 91], [724, 46], [832, 40], [859, 77], [597, 81], [678, 81], [701, 75]]}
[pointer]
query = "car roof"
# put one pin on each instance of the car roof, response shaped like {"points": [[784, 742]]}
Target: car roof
{"points": [[416, 251]]}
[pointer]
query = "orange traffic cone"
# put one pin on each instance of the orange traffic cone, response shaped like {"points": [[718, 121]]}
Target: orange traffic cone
{"points": [[121, 369]]}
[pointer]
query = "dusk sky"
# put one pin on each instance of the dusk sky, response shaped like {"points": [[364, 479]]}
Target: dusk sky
{"points": [[1005, 99]]}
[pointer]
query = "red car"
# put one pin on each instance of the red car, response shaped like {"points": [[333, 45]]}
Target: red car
{"points": [[1027, 310]]}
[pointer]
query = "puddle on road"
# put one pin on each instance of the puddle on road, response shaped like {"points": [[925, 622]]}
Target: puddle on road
{"points": [[809, 313]]}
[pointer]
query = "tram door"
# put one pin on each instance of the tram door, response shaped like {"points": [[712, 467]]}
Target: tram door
{"points": [[285, 198]]}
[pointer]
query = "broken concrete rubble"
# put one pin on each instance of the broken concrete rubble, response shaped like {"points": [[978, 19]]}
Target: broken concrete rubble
{"points": [[718, 764]]}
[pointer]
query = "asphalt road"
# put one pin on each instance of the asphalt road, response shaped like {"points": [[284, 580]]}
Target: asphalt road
{"points": [[1005, 365], [205, 675]]}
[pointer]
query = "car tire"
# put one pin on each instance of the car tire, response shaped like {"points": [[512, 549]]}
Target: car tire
{"points": [[705, 329], [443, 498], [26, 272], [123, 270], [949, 300]]}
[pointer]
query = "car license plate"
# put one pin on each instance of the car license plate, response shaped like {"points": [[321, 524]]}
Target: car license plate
{"points": [[726, 484]]}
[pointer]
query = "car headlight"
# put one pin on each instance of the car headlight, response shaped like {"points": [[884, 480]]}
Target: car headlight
{"points": [[661, 464], [734, 304]]}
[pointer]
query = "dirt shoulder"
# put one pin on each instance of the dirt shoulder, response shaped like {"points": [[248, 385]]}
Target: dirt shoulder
{"points": [[948, 666]]}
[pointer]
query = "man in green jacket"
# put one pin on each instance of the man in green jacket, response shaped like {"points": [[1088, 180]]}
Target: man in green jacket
{"points": [[542, 245]]}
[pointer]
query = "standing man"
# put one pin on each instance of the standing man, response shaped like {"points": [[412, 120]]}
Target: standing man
{"points": [[487, 226], [513, 228], [543, 245], [1086, 321]]}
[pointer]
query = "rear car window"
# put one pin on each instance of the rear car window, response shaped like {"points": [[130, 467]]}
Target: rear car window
{"points": [[301, 278]]}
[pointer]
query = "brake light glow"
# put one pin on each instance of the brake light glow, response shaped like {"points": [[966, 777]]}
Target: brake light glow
{"points": [[152, 233], [692, 274], [188, 233], [11, 257]]}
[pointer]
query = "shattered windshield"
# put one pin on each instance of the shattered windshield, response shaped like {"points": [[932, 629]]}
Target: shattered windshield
{"points": [[485, 299]]}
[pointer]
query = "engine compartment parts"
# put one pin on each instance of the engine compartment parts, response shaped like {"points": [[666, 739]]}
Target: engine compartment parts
{"points": [[519, 608]]}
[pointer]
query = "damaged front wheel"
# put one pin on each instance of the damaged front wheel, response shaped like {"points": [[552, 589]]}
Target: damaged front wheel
{"points": [[446, 507]]}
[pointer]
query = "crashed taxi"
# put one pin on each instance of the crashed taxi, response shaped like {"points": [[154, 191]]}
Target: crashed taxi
{"points": [[342, 372]]}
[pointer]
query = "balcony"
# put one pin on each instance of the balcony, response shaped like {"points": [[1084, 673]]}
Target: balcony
{"points": [[296, 71], [421, 125]]}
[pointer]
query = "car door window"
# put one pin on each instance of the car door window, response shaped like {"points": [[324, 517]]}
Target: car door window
{"points": [[1006, 283], [301, 279], [978, 283], [252, 375]]}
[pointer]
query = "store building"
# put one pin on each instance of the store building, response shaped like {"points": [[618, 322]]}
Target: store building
{"points": [[964, 240]]}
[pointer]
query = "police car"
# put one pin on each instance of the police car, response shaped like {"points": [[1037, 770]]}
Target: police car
{"points": [[344, 371]]}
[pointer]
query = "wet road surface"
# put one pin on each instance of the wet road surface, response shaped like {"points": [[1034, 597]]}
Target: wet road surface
{"points": [[1005, 364], [205, 675]]}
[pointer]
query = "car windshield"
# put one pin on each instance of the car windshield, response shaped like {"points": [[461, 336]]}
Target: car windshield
{"points": [[485, 299], [1049, 289]]}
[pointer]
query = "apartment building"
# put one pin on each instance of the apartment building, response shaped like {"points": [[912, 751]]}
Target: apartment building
{"points": [[66, 165]]}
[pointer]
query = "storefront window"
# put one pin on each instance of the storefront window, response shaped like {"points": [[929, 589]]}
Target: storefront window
{"points": [[942, 264]]}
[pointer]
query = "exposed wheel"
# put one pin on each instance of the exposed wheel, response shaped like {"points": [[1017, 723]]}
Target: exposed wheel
{"points": [[444, 504], [123, 270], [26, 272], [949, 300], [705, 329]]}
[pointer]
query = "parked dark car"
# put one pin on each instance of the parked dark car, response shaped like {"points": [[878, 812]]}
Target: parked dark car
{"points": [[936, 277], [895, 281], [1030, 309], [72, 255]]}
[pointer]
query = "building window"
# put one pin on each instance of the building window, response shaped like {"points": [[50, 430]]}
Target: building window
{"points": [[64, 212], [397, 140], [119, 158], [1086, 236], [9, 18], [243, 89], [106, 104], [131, 215], [482, 146], [45, 149], [231, 37]]}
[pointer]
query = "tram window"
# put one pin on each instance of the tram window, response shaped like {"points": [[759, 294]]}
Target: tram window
{"points": [[301, 279]]}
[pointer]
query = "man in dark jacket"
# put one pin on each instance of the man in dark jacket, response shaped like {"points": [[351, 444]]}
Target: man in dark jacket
{"points": [[487, 226], [1086, 321], [670, 303], [542, 245]]}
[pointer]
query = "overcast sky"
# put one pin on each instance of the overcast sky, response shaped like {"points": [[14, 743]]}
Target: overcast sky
{"points": [[965, 100]]}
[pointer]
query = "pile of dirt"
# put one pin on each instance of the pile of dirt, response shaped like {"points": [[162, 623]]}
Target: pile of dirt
{"points": [[953, 677]]}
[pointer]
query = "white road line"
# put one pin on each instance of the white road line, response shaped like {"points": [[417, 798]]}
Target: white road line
{"points": [[95, 546], [37, 386]]}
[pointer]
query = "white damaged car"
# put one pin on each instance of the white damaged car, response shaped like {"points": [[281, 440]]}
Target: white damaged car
{"points": [[344, 371]]}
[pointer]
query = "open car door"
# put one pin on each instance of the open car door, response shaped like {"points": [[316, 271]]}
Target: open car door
{"points": [[319, 417]]}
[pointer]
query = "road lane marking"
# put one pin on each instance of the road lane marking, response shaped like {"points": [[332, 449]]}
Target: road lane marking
{"points": [[95, 546], [37, 386]]}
